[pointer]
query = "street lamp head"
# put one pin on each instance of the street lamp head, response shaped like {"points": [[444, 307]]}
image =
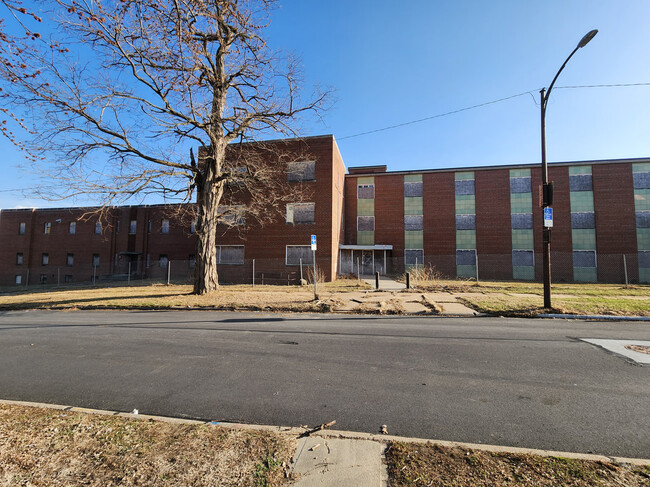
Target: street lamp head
{"points": [[588, 36]]}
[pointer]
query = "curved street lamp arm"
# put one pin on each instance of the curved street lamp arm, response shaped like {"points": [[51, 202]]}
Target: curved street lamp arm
{"points": [[548, 92]]}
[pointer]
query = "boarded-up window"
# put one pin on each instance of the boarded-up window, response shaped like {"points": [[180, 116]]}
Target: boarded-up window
{"points": [[231, 215], [465, 186], [413, 222], [465, 257], [520, 221], [365, 223], [365, 191], [641, 180], [301, 212], [465, 222], [643, 219], [297, 252], [580, 182], [413, 257], [584, 258], [523, 258], [301, 171], [583, 219], [413, 188], [520, 185], [231, 254], [644, 259]]}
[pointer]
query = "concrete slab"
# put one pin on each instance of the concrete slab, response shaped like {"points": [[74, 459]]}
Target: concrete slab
{"points": [[334, 462], [386, 284], [618, 347], [441, 297], [457, 309], [414, 308]]}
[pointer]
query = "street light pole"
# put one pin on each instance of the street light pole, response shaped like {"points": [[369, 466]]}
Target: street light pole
{"points": [[547, 188]]}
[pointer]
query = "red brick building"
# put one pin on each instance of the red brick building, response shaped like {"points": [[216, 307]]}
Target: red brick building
{"points": [[480, 222]]}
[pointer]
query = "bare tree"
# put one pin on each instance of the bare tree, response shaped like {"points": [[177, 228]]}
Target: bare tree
{"points": [[122, 90]]}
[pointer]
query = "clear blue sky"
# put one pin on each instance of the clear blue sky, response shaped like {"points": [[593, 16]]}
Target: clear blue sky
{"points": [[392, 62]]}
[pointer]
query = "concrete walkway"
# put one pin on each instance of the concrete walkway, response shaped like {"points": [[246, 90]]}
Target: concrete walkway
{"points": [[385, 283]]}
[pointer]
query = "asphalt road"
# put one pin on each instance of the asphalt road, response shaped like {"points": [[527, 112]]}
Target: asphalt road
{"points": [[515, 382]]}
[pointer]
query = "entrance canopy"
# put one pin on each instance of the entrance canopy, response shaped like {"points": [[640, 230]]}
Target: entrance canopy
{"points": [[363, 259]]}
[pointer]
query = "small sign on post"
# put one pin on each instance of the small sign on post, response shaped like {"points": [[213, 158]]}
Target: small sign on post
{"points": [[548, 217], [313, 242]]}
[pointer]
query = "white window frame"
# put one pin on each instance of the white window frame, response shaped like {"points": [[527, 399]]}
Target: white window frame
{"points": [[19, 258], [72, 228], [47, 229], [19, 279]]}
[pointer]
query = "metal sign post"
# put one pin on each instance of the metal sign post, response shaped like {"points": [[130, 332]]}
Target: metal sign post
{"points": [[313, 251]]}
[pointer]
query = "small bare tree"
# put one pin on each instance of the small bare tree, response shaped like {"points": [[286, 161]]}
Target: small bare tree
{"points": [[122, 89]]}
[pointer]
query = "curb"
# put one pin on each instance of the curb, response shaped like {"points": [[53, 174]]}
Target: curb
{"points": [[350, 435], [595, 317]]}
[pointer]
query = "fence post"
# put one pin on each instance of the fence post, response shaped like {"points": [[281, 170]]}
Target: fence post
{"points": [[625, 269], [58, 277], [253, 272], [376, 280], [476, 264], [128, 277], [300, 270], [169, 270], [315, 276], [408, 280], [358, 272]]}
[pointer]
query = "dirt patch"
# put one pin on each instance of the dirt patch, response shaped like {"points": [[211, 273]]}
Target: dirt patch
{"points": [[55, 447], [639, 348], [429, 465]]}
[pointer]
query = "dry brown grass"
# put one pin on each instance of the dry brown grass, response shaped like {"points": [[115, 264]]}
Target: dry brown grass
{"points": [[421, 465], [54, 447], [160, 296]]}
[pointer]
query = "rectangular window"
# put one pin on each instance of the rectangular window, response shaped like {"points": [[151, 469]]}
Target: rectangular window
{"points": [[193, 227], [43, 278], [365, 191], [117, 226], [68, 278], [580, 182], [412, 188], [520, 185], [296, 253], [583, 219], [231, 215], [19, 258], [413, 222], [465, 222], [521, 221], [149, 226], [133, 225], [301, 212], [643, 219], [414, 257], [70, 260], [21, 228], [231, 254], [466, 257], [148, 260], [644, 259], [47, 229], [301, 171], [95, 260], [164, 226], [464, 186], [45, 259], [19, 279], [191, 261], [365, 223], [641, 180], [523, 258], [73, 228], [98, 228], [584, 258], [163, 260]]}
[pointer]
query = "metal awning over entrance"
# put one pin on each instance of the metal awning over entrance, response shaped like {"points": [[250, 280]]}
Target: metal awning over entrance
{"points": [[364, 259]]}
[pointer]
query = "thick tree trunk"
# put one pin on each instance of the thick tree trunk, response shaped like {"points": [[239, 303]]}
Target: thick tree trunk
{"points": [[210, 190]]}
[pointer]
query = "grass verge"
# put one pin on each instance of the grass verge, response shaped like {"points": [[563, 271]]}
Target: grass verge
{"points": [[429, 465], [54, 447]]}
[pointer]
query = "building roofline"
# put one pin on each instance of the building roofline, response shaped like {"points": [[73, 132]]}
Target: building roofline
{"points": [[93, 208], [501, 166]]}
